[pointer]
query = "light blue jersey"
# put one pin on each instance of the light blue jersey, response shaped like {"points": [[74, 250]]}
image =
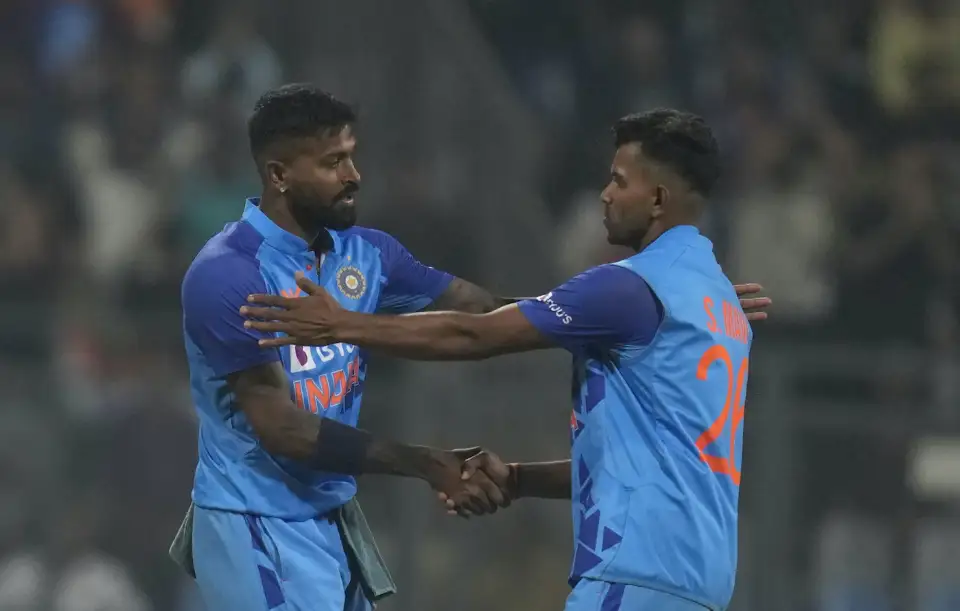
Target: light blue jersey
{"points": [[264, 537], [366, 271], [661, 351]]}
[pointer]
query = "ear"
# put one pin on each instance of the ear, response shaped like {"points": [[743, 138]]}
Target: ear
{"points": [[278, 175], [661, 198]]}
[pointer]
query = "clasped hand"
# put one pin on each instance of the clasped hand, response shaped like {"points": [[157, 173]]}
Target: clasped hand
{"points": [[483, 484]]}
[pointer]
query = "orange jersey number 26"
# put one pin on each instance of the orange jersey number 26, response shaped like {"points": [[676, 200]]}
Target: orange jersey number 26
{"points": [[732, 411]]}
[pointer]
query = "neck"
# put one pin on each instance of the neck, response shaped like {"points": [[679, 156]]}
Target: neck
{"points": [[275, 208], [656, 230]]}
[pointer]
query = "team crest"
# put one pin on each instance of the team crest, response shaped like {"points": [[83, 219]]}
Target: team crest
{"points": [[351, 282]]}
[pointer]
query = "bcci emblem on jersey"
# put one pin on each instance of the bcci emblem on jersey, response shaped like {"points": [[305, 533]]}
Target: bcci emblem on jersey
{"points": [[351, 282]]}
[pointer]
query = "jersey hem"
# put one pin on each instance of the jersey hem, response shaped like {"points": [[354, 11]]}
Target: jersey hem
{"points": [[657, 587], [267, 514]]}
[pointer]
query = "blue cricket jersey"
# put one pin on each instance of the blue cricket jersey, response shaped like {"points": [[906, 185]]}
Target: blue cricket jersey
{"points": [[660, 348], [366, 271]]}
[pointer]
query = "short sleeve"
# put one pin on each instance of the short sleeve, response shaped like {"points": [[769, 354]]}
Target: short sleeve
{"points": [[212, 293], [409, 285], [602, 307]]}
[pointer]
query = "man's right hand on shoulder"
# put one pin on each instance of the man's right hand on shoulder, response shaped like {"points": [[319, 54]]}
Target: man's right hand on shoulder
{"points": [[484, 471]]}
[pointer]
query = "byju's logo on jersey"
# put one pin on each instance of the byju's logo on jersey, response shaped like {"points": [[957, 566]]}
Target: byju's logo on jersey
{"points": [[556, 309], [351, 282]]}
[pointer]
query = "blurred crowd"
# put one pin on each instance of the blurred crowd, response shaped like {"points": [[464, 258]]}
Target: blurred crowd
{"points": [[117, 119], [839, 124], [123, 148]]}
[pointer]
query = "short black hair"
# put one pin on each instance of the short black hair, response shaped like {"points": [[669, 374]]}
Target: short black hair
{"points": [[297, 110], [680, 140]]}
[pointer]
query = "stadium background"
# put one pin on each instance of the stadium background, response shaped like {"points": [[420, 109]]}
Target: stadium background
{"points": [[484, 146]]}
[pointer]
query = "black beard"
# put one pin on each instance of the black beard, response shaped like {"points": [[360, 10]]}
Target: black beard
{"points": [[314, 216], [340, 216]]}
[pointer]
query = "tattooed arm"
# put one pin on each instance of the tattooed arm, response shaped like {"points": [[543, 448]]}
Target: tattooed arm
{"points": [[464, 296]]}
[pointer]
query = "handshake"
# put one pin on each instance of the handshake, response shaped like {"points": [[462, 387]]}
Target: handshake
{"points": [[472, 481]]}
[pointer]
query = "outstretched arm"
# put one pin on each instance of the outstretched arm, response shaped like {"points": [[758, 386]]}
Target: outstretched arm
{"points": [[464, 296], [502, 327], [601, 308], [443, 335]]}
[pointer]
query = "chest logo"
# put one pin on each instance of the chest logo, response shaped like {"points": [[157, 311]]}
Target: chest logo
{"points": [[351, 282]]}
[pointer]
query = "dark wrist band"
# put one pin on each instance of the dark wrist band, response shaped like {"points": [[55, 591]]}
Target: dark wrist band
{"points": [[341, 448]]}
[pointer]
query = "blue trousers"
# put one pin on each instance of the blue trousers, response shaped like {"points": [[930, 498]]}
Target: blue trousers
{"points": [[592, 595], [254, 563]]}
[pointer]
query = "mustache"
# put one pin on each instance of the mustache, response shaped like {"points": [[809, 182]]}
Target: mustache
{"points": [[348, 190]]}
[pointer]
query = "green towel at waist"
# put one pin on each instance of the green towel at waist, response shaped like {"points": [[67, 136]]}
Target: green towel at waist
{"points": [[181, 550], [365, 560], [362, 550]]}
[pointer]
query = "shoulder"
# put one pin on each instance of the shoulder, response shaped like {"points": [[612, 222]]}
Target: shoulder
{"points": [[409, 285], [598, 292], [367, 236], [610, 293], [685, 247], [608, 279], [393, 256], [603, 306], [229, 259], [659, 257], [238, 244]]}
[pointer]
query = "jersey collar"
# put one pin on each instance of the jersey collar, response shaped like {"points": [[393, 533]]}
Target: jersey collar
{"points": [[681, 231], [683, 234], [689, 234], [274, 235]]}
